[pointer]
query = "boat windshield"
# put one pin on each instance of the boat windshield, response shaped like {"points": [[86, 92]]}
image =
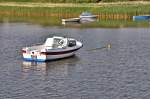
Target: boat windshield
{"points": [[56, 42], [60, 42]]}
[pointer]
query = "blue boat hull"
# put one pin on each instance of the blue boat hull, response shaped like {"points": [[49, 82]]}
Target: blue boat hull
{"points": [[37, 60], [146, 17]]}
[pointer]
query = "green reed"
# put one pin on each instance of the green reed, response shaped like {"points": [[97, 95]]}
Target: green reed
{"points": [[52, 15], [48, 11]]}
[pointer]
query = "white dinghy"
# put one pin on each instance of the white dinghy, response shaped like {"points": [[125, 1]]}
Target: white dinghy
{"points": [[71, 20], [54, 48]]}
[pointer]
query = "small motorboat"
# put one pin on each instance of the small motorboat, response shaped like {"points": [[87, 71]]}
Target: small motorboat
{"points": [[87, 15], [141, 17], [54, 48]]}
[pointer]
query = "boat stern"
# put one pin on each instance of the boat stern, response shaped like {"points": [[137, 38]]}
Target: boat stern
{"points": [[33, 56]]}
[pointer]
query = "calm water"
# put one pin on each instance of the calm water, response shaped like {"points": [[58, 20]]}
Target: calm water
{"points": [[122, 72]]}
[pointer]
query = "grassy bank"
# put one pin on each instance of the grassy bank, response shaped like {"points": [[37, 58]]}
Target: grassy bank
{"points": [[51, 14], [47, 9], [70, 1], [55, 21]]}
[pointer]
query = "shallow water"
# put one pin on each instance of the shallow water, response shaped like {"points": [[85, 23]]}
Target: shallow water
{"points": [[121, 72]]}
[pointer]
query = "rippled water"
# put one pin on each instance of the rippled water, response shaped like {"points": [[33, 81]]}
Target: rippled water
{"points": [[122, 72]]}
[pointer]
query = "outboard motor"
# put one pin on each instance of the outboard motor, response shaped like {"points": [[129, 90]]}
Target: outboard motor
{"points": [[71, 42]]}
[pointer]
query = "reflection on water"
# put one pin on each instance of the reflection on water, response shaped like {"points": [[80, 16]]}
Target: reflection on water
{"points": [[37, 66], [59, 67]]}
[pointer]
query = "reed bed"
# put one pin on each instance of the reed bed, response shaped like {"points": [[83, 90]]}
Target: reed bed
{"points": [[101, 11], [53, 15]]}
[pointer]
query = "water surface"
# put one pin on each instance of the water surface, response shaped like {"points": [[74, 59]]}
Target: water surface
{"points": [[121, 72]]}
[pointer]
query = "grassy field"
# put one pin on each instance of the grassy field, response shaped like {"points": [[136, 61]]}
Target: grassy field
{"points": [[75, 9], [69, 1]]}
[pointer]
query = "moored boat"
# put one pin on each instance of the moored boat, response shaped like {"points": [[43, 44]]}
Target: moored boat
{"points": [[87, 15], [141, 17], [54, 48], [71, 20]]}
